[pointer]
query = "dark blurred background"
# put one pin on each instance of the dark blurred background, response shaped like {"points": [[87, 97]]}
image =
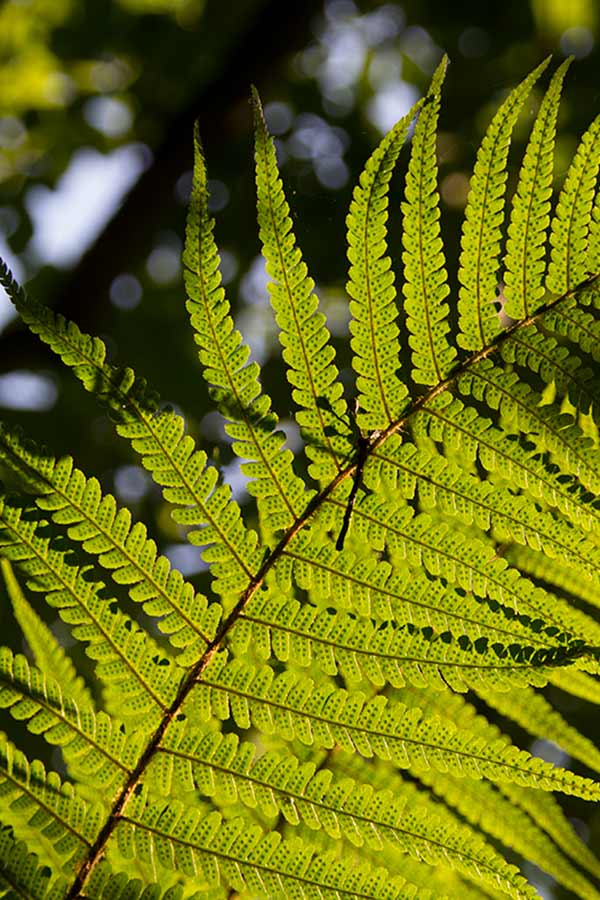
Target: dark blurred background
{"points": [[97, 104]]}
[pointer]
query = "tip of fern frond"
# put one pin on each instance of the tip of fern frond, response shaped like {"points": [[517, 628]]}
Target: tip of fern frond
{"points": [[257, 108], [439, 75], [261, 130], [8, 280], [198, 148], [564, 66]]}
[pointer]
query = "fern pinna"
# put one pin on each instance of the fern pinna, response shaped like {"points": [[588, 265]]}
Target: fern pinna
{"points": [[314, 726]]}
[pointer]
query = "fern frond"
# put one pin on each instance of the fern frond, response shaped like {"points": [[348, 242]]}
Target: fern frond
{"points": [[241, 856], [448, 420], [219, 766], [375, 344], [48, 816], [127, 657], [586, 687], [454, 708], [484, 806], [521, 410], [21, 875], [319, 714], [479, 321], [469, 562], [569, 231], [234, 383], [95, 748], [188, 480], [532, 711], [440, 881], [443, 486], [580, 326], [49, 656], [546, 812], [425, 284], [307, 349], [358, 648], [403, 595], [464, 560], [555, 574], [106, 532], [594, 238], [555, 363], [107, 884], [530, 213]]}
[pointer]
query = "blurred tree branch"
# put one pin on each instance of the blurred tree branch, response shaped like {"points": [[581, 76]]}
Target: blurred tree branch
{"points": [[274, 32]]}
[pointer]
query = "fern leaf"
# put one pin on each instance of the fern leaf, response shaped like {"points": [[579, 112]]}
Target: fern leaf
{"points": [[568, 319], [484, 806], [107, 884], [105, 531], [95, 748], [447, 420], [319, 714], [381, 393], [530, 213], [556, 364], [239, 855], [594, 237], [464, 560], [441, 881], [579, 684], [21, 875], [358, 648], [47, 815], [555, 573], [405, 596], [569, 231], [537, 716], [234, 383], [220, 767], [470, 562], [521, 411], [455, 709], [47, 652], [303, 335], [126, 656], [442, 486], [188, 481], [425, 278], [545, 810], [479, 322]]}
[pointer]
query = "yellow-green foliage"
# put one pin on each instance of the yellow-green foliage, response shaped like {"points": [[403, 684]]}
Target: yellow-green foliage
{"points": [[294, 733]]}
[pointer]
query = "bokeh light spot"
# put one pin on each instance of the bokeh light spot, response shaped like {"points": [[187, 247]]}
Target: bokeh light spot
{"points": [[26, 390], [125, 291], [577, 41], [279, 117], [218, 195], [164, 264], [108, 115], [131, 483]]}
